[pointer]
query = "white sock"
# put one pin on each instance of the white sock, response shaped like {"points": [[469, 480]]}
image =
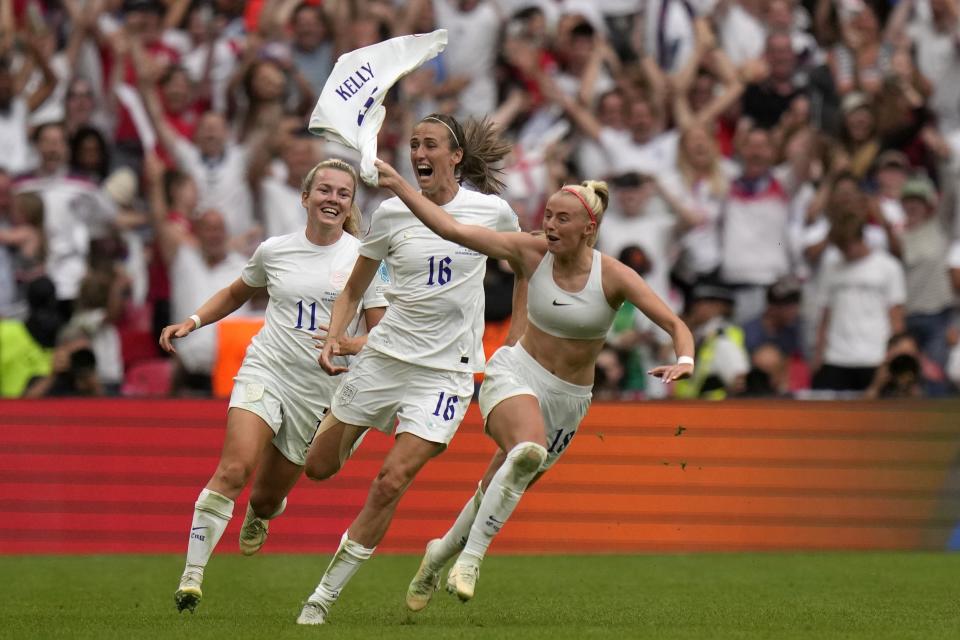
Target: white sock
{"points": [[348, 558], [508, 484], [211, 514], [456, 537]]}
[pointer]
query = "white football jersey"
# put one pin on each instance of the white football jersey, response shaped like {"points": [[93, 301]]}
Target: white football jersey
{"points": [[303, 280], [436, 298]]}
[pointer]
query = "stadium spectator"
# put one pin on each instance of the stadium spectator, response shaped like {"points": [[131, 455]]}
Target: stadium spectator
{"points": [[721, 355], [22, 249], [200, 263], [100, 305], [26, 347], [75, 211], [279, 395], [16, 104], [755, 242], [779, 324], [696, 190], [639, 216], [278, 188], [218, 166], [535, 393], [773, 84], [929, 298], [862, 299], [767, 377]]}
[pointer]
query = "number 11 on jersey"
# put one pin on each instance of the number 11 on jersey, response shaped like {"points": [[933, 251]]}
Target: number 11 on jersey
{"points": [[313, 316]]}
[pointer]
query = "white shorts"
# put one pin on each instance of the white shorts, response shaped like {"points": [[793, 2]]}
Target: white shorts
{"points": [[379, 390], [513, 372], [293, 421]]}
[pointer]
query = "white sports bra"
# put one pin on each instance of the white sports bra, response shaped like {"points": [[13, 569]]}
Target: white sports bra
{"points": [[584, 315]]}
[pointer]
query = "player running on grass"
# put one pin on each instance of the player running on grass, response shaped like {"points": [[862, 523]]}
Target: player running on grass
{"points": [[280, 393], [535, 393], [417, 367]]}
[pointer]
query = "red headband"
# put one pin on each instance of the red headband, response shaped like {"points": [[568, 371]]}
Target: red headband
{"points": [[573, 192]]}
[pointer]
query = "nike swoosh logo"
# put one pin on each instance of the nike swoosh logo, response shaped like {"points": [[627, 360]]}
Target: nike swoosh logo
{"points": [[195, 528], [561, 304]]}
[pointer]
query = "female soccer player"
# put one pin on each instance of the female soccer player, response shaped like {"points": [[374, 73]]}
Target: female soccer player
{"points": [[418, 364], [280, 393], [535, 393]]}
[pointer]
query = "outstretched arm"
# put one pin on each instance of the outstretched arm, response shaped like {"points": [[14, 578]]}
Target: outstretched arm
{"points": [[220, 305], [496, 244], [625, 284]]}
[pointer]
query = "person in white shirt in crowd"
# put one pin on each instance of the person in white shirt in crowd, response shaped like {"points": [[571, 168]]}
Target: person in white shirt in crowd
{"points": [[755, 242], [76, 210], [644, 147], [277, 188], [208, 56], [697, 189], [535, 393], [930, 298], [416, 371], [280, 394], [218, 165], [931, 29], [100, 306], [893, 169], [861, 298], [199, 264], [16, 105], [639, 216], [473, 28]]}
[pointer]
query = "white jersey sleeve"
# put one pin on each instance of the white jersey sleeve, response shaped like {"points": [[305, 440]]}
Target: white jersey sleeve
{"points": [[254, 274], [376, 243], [375, 295], [508, 220]]}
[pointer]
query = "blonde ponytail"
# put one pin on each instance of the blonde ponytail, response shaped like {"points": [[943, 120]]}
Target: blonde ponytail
{"points": [[596, 195]]}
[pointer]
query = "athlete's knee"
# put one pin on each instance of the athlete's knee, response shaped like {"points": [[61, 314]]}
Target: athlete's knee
{"points": [[321, 467], [525, 460], [390, 484], [233, 474]]}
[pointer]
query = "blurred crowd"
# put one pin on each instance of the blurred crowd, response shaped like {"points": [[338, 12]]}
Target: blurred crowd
{"points": [[785, 173]]}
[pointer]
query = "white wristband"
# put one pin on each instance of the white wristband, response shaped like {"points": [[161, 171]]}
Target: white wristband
{"points": [[196, 321], [685, 360]]}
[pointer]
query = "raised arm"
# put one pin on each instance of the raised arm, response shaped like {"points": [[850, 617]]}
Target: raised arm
{"points": [[625, 284], [496, 244]]}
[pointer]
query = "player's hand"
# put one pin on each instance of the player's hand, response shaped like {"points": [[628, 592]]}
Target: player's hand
{"points": [[331, 349], [670, 372], [388, 178], [348, 346], [175, 331]]}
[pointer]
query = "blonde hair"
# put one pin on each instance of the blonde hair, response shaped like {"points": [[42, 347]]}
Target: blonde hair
{"points": [[352, 224], [482, 149], [596, 194], [719, 184]]}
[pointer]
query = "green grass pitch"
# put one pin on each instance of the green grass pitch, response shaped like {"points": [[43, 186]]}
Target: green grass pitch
{"points": [[703, 596]]}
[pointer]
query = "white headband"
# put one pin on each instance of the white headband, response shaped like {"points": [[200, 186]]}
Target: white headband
{"points": [[447, 126]]}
